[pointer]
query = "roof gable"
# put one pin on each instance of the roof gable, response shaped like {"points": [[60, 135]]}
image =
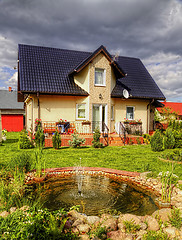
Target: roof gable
{"points": [[8, 100]]}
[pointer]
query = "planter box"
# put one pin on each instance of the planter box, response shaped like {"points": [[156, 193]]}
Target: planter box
{"points": [[86, 123]]}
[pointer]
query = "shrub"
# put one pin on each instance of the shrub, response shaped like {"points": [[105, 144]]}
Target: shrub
{"points": [[169, 140], [96, 139], [39, 138], [175, 219], [56, 140], [24, 142], [157, 141], [76, 141], [146, 138], [23, 162], [178, 138]]}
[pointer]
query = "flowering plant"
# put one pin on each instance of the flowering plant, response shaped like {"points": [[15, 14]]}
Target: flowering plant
{"points": [[38, 121], [4, 132], [61, 120], [132, 121]]}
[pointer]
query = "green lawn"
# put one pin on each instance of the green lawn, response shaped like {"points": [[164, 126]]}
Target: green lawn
{"points": [[137, 158]]}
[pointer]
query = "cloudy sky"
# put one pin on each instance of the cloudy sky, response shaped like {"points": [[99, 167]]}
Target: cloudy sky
{"points": [[148, 29]]}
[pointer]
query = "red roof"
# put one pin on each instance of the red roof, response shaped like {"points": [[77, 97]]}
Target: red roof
{"points": [[175, 107]]}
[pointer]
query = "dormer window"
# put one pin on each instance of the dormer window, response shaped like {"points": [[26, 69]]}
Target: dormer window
{"points": [[100, 77]]}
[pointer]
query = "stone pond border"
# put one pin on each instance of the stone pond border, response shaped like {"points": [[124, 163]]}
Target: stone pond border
{"points": [[151, 186]]}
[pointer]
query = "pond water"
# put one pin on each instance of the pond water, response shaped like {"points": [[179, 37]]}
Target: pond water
{"points": [[93, 194]]}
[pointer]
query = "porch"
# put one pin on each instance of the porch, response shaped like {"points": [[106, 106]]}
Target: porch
{"points": [[124, 134]]}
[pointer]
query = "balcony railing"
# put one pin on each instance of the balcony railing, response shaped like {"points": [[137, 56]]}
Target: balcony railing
{"points": [[133, 128], [69, 127]]}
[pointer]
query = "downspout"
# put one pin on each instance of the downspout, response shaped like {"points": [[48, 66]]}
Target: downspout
{"points": [[148, 114], [38, 105]]}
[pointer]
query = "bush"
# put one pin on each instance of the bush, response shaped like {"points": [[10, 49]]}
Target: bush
{"points": [[24, 142], [56, 140], [76, 141], [23, 162], [39, 138], [157, 141], [178, 138], [96, 139], [169, 140], [146, 138]]}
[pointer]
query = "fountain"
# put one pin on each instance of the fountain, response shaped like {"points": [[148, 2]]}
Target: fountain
{"points": [[94, 192]]}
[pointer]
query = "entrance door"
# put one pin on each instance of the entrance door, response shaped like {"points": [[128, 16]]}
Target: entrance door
{"points": [[99, 116]]}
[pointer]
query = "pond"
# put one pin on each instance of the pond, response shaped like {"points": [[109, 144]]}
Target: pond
{"points": [[94, 194]]}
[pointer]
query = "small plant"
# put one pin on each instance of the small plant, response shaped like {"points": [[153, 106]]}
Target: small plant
{"points": [[138, 141], [130, 141], [153, 235], [169, 181], [23, 162], [169, 140], [39, 138], [56, 140], [96, 139], [131, 227], [175, 219], [157, 141], [146, 138], [24, 141], [39, 162], [76, 141]]}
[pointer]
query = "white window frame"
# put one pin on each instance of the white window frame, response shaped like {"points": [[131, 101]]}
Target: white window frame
{"points": [[104, 77], [112, 112], [133, 112], [77, 117]]}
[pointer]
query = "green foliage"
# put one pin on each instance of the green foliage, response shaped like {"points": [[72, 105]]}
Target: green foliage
{"points": [[24, 142], [76, 141], [169, 140], [39, 162], [101, 232], [96, 139], [175, 155], [157, 141], [138, 141], [146, 138], [153, 235], [131, 227], [22, 161], [175, 219], [39, 138], [35, 224], [178, 138], [56, 140]]}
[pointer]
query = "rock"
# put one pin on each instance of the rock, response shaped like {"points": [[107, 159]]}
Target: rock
{"points": [[116, 235], [129, 217], [24, 208], [92, 219], [12, 210], [129, 236], [143, 226], [75, 215], [83, 228], [68, 224], [110, 224], [171, 231], [162, 214], [4, 214], [77, 222], [84, 237], [152, 223]]}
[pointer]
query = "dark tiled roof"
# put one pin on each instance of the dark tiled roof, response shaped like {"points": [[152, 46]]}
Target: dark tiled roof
{"points": [[8, 100], [138, 80], [43, 69], [49, 70]]}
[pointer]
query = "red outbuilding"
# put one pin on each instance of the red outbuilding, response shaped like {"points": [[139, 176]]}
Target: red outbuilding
{"points": [[12, 111]]}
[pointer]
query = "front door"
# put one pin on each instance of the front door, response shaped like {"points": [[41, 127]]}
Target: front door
{"points": [[99, 116]]}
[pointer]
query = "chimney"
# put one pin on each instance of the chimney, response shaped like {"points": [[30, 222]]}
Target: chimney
{"points": [[10, 89]]}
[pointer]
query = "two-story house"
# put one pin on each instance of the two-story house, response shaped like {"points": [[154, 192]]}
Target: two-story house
{"points": [[85, 86]]}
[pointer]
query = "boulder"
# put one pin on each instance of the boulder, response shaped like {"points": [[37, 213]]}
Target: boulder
{"points": [[152, 223], [171, 231], [84, 237], [110, 224], [75, 215], [92, 219], [162, 214], [116, 235], [12, 210], [83, 228], [4, 214], [129, 217]]}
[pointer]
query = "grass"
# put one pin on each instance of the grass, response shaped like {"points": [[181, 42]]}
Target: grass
{"points": [[137, 158]]}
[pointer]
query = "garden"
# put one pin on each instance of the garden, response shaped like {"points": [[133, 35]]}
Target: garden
{"points": [[161, 154]]}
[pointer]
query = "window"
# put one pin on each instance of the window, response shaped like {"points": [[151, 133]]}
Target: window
{"points": [[112, 112], [99, 77], [130, 113], [80, 111]]}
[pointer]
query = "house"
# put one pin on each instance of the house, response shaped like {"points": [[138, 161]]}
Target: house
{"points": [[85, 87], [12, 111], [172, 108]]}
